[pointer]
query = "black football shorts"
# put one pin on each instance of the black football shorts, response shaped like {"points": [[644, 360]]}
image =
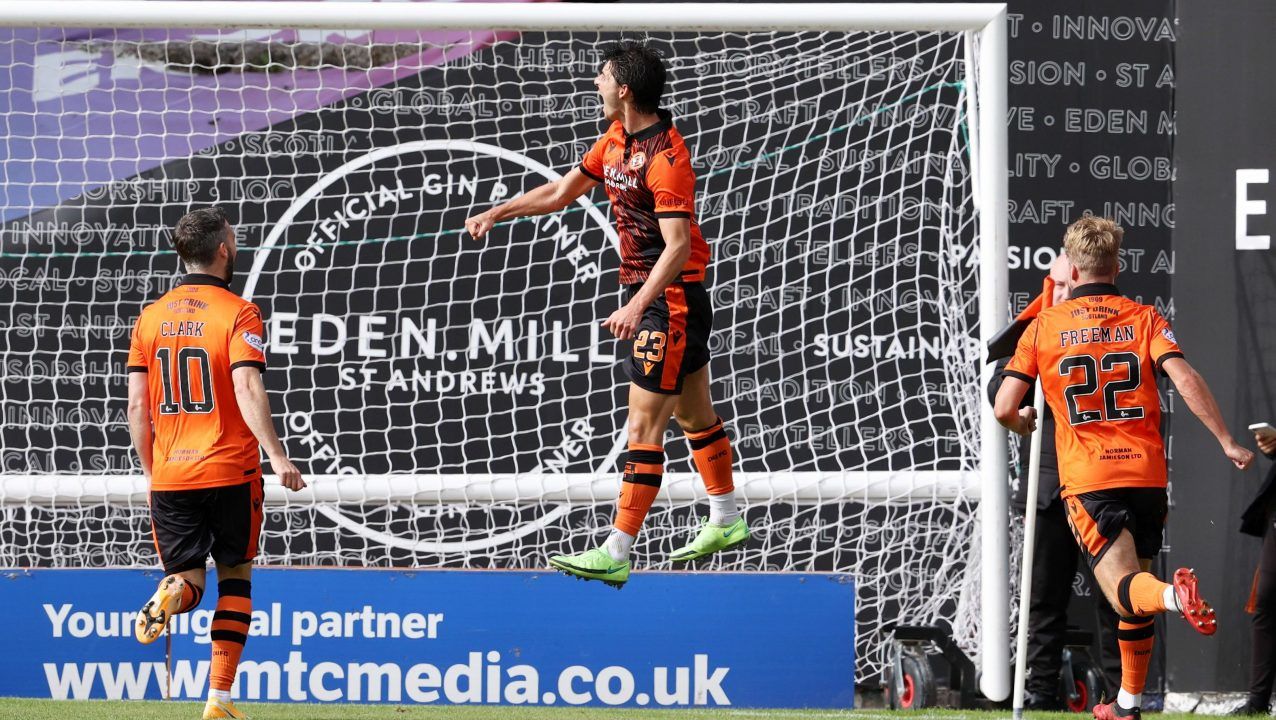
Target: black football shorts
{"points": [[672, 338], [190, 525], [1097, 519]]}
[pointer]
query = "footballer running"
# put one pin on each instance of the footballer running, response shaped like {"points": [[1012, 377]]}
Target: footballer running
{"points": [[1097, 355]]}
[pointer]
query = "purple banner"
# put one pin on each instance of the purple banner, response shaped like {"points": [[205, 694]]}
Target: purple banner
{"points": [[84, 107]]}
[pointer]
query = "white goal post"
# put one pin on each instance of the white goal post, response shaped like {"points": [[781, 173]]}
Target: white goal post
{"points": [[970, 42]]}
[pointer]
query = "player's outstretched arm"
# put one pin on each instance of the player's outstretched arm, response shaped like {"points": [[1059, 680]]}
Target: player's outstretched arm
{"points": [[548, 198], [139, 419], [1020, 420], [254, 405], [1198, 397], [676, 233]]}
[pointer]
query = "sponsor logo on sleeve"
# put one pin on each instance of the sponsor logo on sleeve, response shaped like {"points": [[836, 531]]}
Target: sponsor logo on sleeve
{"points": [[254, 341]]}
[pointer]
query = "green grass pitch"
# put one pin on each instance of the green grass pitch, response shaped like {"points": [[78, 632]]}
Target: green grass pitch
{"points": [[94, 709]]}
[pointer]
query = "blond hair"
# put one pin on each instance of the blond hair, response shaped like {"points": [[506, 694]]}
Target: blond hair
{"points": [[1093, 245]]}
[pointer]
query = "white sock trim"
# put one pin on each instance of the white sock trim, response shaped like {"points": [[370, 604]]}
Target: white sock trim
{"points": [[1171, 599], [618, 545], [1129, 701], [722, 509]]}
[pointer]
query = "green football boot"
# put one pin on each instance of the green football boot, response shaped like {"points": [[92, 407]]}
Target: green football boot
{"points": [[711, 539], [593, 564]]}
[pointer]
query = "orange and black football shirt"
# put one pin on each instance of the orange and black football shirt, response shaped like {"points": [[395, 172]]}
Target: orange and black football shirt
{"points": [[1097, 355], [648, 176], [189, 342]]}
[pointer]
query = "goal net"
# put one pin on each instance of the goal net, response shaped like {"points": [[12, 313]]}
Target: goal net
{"points": [[456, 404]]}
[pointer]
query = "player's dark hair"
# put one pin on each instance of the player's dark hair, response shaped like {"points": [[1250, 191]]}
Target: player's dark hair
{"points": [[640, 66], [198, 234]]}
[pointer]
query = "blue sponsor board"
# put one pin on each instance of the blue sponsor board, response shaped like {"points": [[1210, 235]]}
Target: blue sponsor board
{"points": [[449, 637]]}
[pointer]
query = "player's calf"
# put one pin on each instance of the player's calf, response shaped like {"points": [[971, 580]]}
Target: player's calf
{"points": [[1141, 594], [609, 563], [1135, 636], [175, 595], [231, 623], [711, 452]]}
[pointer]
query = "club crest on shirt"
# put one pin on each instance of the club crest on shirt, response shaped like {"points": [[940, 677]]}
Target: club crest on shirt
{"points": [[638, 160]]}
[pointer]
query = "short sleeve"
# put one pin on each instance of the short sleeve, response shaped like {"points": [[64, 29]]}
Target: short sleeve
{"points": [[592, 163], [248, 339], [1024, 363], [673, 184], [1164, 345], [136, 353]]}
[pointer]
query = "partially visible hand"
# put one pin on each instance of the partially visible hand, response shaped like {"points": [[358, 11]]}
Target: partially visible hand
{"points": [[1266, 443], [289, 475], [1239, 456], [478, 225], [1027, 420], [624, 321]]}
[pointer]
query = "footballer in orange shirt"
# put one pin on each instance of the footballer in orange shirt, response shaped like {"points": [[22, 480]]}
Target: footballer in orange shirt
{"points": [[645, 167], [1097, 354], [197, 410]]}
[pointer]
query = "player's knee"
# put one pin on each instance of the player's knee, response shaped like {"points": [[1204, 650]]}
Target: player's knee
{"points": [[1110, 595], [642, 430], [695, 411], [1115, 605], [692, 419], [242, 571]]}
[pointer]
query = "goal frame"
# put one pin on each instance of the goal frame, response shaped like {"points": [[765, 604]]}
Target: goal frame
{"points": [[989, 158]]}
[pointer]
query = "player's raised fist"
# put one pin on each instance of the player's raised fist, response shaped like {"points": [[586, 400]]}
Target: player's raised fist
{"points": [[289, 475], [1239, 456], [478, 225]]}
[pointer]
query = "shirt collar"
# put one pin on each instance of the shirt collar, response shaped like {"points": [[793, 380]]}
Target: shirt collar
{"points": [[664, 123], [204, 279], [1094, 289]]}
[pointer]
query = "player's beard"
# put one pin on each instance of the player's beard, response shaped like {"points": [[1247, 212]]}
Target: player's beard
{"points": [[230, 267]]}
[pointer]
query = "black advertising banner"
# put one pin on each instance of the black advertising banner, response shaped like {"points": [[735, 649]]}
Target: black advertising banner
{"points": [[1092, 102], [1092, 132], [1226, 316]]}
